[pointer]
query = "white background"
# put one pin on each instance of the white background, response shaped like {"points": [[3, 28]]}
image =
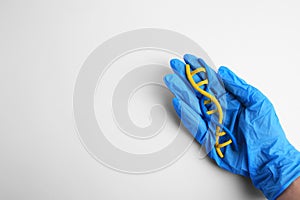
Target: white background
{"points": [[43, 45]]}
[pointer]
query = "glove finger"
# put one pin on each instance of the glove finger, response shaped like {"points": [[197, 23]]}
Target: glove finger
{"points": [[245, 93], [215, 83], [193, 62], [190, 119], [182, 91], [215, 86], [179, 68]]}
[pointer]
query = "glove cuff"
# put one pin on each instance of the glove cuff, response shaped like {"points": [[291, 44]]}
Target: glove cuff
{"points": [[276, 175]]}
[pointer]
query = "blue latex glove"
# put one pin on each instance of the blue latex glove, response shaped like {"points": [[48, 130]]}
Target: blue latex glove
{"points": [[262, 152]]}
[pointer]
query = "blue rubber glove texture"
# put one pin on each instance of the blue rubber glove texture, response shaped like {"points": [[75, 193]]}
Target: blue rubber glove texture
{"points": [[263, 153], [187, 106]]}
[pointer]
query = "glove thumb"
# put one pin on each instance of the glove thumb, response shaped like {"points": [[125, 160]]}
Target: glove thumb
{"points": [[245, 93]]}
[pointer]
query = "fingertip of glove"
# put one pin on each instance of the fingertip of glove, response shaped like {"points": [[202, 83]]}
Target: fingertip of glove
{"points": [[173, 62], [202, 62], [191, 60], [189, 56], [167, 78], [227, 74], [222, 71], [177, 65]]}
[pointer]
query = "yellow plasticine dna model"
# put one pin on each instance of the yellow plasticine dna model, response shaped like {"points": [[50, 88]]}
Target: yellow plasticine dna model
{"points": [[212, 99]]}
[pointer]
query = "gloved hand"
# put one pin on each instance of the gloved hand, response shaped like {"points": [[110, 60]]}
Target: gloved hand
{"points": [[248, 140]]}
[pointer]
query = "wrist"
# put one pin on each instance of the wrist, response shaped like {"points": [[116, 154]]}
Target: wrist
{"points": [[292, 192], [276, 175]]}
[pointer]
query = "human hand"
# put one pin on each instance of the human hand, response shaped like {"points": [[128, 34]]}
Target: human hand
{"points": [[238, 126]]}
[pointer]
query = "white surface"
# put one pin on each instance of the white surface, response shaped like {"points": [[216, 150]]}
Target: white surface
{"points": [[42, 47]]}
